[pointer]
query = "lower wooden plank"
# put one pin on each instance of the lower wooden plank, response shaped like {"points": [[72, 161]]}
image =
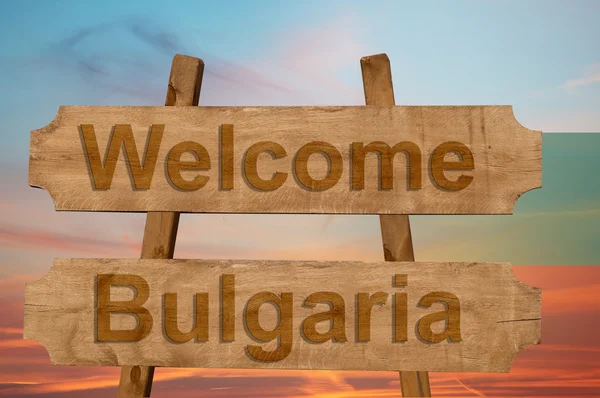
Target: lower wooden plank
{"points": [[471, 317]]}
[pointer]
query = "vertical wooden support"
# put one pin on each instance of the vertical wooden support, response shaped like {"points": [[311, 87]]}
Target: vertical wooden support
{"points": [[395, 229], [161, 227]]}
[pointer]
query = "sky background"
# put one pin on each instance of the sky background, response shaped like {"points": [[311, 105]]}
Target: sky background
{"points": [[542, 57]]}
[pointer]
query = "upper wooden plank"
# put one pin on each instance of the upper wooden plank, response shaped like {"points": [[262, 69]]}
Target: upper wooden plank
{"points": [[65, 160]]}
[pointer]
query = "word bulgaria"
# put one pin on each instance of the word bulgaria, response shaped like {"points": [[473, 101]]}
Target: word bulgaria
{"points": [[142, 173], [283, 332]]}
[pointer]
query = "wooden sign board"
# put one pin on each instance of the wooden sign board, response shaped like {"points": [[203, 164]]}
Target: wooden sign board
{"points": [[432, 159], [466, 317]]}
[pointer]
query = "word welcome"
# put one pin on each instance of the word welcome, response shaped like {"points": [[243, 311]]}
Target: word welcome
{"points": [[142, 172], [283, 332]]}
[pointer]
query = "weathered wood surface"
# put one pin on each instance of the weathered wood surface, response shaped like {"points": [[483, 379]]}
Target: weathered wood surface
{"points": [[498, 314], [395, 228], [160, 232], [507, 159]]}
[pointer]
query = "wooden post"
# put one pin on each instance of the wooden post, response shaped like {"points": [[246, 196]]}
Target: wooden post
{"points": [[395, 229], [161, 227]]}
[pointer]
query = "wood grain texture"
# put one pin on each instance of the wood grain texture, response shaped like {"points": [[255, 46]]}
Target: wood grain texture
{"points": [[415, 384], [395, 229], [498, 316], [160, 232], [507, 159]]}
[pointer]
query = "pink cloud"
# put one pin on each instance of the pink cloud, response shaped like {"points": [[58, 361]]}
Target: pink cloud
{"points": [[42, 238], [317, 54]]}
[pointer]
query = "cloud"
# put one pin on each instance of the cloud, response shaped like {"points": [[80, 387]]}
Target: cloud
{"points": [[20, 236], [133, 64], [161, 40], [556, 278], [318, 54], [590, 76], [16, 343], [268, 237], [11, 331], [13, 286], [471, 389], [565, 121], [127, 60], [571, 118]]}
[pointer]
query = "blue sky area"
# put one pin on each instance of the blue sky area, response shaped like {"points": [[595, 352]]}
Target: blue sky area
{"points": [[542, 57]]}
